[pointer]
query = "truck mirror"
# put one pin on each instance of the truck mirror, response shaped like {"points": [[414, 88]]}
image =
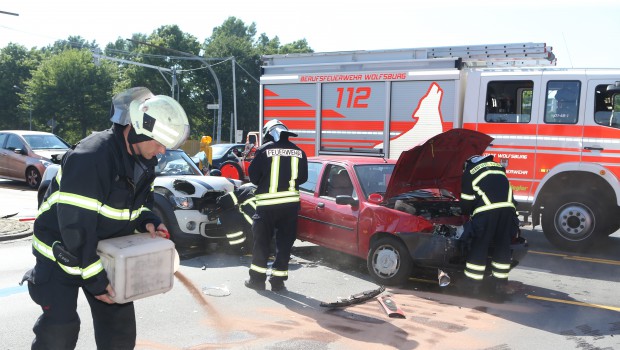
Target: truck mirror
{"points": [[613, 88]]}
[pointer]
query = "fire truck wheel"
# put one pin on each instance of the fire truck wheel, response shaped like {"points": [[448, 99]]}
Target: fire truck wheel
{"points": [[572, 222], [389, 262], [231, 170]]}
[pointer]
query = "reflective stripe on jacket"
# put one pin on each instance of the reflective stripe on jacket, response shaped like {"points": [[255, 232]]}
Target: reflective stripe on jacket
{"points": [[484, 186], [277, 170]]}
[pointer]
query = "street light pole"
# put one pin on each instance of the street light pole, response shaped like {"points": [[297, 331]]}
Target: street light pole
{"points": [[29, 104]]}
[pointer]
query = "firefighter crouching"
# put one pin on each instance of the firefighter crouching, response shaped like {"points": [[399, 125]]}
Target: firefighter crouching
{"points": [[278, 168], [104, 189], [486, 196], [235, 211]]}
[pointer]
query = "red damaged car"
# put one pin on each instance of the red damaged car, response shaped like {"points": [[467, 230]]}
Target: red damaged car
{"points": [[398, 215]]}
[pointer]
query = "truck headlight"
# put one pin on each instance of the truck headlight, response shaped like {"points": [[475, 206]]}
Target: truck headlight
{"points": [[183, 202]]}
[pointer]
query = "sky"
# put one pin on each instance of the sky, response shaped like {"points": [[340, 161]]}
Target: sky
{"points": [[583, 34]]}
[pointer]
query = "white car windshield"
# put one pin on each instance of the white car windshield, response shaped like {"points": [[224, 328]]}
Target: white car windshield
{"points": [[175, 162]]}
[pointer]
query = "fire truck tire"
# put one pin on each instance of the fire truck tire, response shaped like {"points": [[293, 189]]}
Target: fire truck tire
{"points": [[389, 262], [573, 221], [231, 170]]}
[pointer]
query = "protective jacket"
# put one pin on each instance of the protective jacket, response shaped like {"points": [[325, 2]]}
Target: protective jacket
{"points": [[277, 170], [235, 211], [100, 192], [484, 186]]}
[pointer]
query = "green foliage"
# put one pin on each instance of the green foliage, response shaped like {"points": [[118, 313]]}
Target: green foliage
{"points": [[61, 82]]}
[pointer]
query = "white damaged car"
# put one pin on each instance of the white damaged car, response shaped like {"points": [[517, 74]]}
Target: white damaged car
{"points": [[183, 198]]}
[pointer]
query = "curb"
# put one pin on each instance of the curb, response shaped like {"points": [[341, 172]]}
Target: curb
{"points": [[14, 229]]}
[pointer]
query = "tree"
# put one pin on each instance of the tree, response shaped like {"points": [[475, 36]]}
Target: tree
{"points": [[234, 38], [70, 90], [16, 62]]}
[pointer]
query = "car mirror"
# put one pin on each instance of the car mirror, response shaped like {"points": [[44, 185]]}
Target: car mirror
{"points": [[346, 200], [20, 151]]}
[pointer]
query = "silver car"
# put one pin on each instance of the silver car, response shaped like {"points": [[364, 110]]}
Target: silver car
{"points": [[24, 155]]}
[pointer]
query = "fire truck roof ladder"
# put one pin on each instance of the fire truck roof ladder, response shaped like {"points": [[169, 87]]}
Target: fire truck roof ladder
{"points": [[517, 54]]}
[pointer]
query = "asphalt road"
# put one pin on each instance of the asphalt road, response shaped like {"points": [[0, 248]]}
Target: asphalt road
{"points": [[560, 301]]}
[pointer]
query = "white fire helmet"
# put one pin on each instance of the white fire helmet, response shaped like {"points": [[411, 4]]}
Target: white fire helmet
{"points": [[273, 130], [160, 118]]}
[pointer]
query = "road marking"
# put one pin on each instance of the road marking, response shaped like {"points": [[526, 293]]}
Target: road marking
{"points": [[579, 303], [5, 292], [578, 258]]}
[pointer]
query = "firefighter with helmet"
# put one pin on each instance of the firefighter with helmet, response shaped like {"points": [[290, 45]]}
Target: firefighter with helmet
{"points": [[104, 189], [486, 196], [278, 168]]}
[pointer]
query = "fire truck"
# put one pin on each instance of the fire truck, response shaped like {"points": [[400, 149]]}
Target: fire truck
{"points": [[555, 130]]}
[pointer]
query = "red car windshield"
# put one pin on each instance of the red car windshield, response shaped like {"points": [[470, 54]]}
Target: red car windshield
{"points": [[374, 177]]}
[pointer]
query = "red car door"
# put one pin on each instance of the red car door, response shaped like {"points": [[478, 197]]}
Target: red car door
{"points": [[326, 223]]}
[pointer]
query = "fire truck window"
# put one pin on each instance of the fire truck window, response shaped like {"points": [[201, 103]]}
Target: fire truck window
{"points": [[509, 101], [603, 108], [562, 103], [314, 169]]}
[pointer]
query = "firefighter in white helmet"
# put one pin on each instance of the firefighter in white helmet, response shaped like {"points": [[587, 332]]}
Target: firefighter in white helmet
{"points": [[278, 168], [103, 190]]}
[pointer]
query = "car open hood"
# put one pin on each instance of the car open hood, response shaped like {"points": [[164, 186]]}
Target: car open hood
{"points": [[437, 163]]}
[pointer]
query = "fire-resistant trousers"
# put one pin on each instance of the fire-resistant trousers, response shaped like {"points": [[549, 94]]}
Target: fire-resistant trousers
{"points": [[59, 325], [280, 220], [493, 228]]}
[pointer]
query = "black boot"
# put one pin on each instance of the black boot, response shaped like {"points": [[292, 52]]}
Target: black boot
{"points": [[277, 285], [256, 285]]}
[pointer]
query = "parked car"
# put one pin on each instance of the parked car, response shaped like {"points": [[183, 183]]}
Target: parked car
{"points": [[24, 155], [398, 215], [183, 198], [223, 152]]}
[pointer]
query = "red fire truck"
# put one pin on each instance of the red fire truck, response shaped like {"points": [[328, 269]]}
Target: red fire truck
{"points": [[556, 130]]}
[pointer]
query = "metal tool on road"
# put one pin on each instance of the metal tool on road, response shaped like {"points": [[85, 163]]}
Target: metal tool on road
{"points": [[355, 298], [390, 307]]}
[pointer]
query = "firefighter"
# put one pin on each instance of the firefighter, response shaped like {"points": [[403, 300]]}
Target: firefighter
{"points": [[278, 168], [235, 210], [104, 189], [486, 196]]}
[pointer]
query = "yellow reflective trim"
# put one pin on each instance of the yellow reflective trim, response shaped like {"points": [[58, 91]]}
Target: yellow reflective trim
{"points": [[70, 270], [294, 173], [475, 267], [247, 218], [500, 275], [90, 204], [238, 241], [469, 197], [234, 198], [474, 276], [493, 206], [42, 248], [250, 202], [258, 269], [275, 171], [277, 201], [500, 266], [483, 165], [276, 195], [234, 234], [93, 269], [47, 251], [279, 273]]}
